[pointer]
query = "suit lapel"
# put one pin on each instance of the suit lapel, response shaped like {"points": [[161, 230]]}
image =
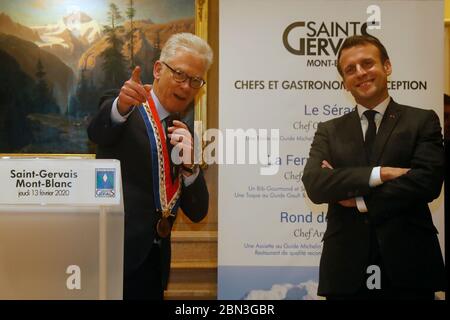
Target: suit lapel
{"points": [[388, 123]]}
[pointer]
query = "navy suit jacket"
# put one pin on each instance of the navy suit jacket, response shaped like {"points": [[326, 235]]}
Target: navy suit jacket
{"points": [[398, 209]]}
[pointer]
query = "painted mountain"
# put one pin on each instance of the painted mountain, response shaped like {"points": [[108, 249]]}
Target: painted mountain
{"points": [[58, 75], [69, 37], [8, 26]]}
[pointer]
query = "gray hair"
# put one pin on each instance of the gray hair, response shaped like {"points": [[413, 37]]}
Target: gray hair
{"points": [[189, 42]]}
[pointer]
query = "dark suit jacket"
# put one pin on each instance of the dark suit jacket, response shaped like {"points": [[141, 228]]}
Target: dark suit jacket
{"points": [[398, 209], [129, 143]]}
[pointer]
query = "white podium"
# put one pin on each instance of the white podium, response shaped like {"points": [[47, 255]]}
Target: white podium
{"points": [[61, 229]]}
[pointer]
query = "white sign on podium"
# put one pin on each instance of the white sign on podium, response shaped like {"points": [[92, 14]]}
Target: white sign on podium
{"points": [[61, 229]]}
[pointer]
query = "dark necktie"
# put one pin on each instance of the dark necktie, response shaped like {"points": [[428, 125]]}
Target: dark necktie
{"points": [[370, 132]]}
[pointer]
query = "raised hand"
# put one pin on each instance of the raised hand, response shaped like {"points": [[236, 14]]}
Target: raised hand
{"points": [[132, 93], [181, 139]]}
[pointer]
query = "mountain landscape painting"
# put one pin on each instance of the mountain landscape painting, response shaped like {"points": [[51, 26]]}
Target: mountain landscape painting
{"points": [[58, 57]]}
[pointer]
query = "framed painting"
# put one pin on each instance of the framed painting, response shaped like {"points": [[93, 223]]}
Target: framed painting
{"points": [[58, 57]]}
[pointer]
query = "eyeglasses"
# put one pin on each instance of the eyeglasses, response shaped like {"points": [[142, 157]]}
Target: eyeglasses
{"points": [[180, 76]]}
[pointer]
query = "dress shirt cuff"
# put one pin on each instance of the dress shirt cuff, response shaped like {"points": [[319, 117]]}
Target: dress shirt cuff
{"points": [[116, 117], [375, 177], [360, 204], [188, 180]]}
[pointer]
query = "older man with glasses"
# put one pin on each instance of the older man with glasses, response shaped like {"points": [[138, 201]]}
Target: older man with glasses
{"points": [[139, 127]]}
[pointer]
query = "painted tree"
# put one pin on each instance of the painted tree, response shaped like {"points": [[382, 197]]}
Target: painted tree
{"points": [[131, 12], [44, 99], [80, 101], [113, 60], [114, 15], [16, 102]]}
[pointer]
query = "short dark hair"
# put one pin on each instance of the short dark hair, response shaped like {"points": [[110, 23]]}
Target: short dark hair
{"points": [[359, 40]]}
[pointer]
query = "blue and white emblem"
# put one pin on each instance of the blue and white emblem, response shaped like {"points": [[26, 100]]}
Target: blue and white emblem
{"points": [[105, 183]]}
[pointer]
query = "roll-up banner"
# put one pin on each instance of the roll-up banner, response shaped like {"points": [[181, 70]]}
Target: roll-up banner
{"points": [[278, 71]]}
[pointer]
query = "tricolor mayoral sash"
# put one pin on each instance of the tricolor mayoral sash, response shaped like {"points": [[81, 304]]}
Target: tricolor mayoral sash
{"points": [[166, 192]]}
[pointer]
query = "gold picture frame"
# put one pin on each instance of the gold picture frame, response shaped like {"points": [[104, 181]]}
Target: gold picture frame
{"points": [[201, 30]]}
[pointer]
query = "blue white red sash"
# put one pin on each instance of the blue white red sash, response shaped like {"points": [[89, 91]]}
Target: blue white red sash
{"points": [[166, 192]]}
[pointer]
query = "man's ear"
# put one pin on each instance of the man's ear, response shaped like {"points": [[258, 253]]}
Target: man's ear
{"points": [[157, 67], [387, 67]]}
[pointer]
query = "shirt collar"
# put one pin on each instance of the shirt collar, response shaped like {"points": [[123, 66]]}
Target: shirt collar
{"points": [[162, 112], [381, 108]]}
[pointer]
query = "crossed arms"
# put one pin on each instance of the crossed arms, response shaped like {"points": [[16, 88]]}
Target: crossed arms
{"points": [[421, 182]]}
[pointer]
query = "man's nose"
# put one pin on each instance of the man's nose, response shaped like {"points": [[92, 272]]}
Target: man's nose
{"points": [[360, 71]]}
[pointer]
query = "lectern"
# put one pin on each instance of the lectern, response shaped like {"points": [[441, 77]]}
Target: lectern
{"points": [[61, 229]]}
